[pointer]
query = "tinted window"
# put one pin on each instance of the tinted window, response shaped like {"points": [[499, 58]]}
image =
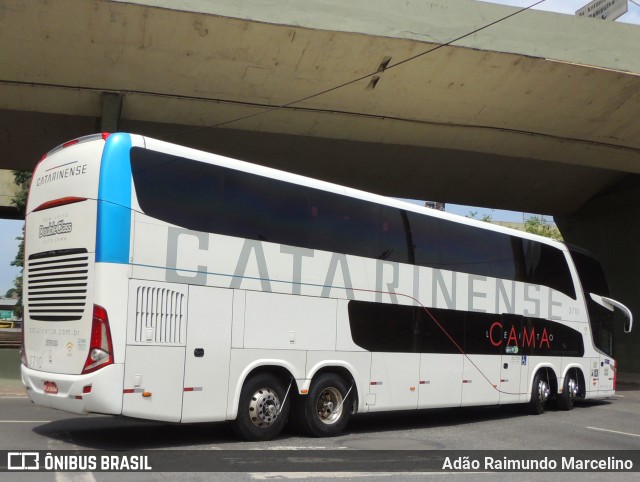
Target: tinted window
{"points": [[382, 327], [179, 191], [265, 209], [202, 197], [457, 247], [395, 328], [345, 225], [547, 266], [394, 243], [439, 331]]}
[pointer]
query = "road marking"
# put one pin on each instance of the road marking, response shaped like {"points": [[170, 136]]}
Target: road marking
{"points": [[614, 431], [75, 477], [294, 447], [343, 475], [25, 421]]}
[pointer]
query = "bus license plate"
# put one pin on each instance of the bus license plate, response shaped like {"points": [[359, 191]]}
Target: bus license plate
{"points": [[50, 387]]}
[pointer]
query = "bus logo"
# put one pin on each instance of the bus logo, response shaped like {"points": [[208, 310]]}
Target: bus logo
{"points": [[55, 229], [23, 461]]}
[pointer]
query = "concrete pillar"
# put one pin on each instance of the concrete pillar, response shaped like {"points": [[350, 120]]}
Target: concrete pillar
{"points": [[608, 226], [8, 189], [111, 110]]}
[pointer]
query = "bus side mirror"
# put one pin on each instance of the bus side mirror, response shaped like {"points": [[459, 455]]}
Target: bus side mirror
{"points": [[610, 304]]}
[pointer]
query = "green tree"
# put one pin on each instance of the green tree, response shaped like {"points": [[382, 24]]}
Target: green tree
{"points": [[11, 293], [22, 180], [487, 218], [538, 225]]}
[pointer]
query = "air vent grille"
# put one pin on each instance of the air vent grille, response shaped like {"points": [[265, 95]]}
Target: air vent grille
{"points": [[160, 315], [57, 285]]}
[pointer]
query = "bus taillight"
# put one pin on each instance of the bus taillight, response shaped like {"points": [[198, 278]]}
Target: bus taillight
{"points": [[101, 348], [614, 367]]}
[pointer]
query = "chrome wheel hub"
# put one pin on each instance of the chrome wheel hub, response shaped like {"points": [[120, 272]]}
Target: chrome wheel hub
{"points": [[264, 407], [543, 391], [572, 386], [329, 405]]}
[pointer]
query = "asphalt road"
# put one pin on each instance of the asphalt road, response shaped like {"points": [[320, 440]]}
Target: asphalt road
{"points": [[611, 425]]}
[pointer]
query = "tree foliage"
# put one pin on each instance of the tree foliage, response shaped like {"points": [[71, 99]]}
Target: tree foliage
{"points": [[534, 225], [538, 225], [22, 180]]}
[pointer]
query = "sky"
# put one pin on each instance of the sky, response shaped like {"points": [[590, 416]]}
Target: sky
{"points": [[10, 230], [570, 6]]}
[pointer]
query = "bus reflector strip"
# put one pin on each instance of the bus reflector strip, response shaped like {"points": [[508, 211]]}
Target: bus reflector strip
{"points": [[424, 382], [133, 390], [467, 381], [376, 383], [192, 389]]}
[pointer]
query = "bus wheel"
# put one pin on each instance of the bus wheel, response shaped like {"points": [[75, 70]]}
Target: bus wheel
{"points": [[539, 395], [325, 411], [569, 393], [263, 410]]}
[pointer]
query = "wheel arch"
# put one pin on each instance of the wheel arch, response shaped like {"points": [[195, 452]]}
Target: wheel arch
{"points": [[282, 369]]}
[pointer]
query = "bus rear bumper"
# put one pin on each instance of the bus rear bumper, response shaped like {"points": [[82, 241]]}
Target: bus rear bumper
{"points": [[97, 392]]}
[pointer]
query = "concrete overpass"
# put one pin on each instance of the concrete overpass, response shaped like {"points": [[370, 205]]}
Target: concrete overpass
{"points": [[455, 100]]}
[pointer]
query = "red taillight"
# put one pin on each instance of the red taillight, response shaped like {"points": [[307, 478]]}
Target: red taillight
{"points": [[614, 367], [100, 348], [59, 202]]}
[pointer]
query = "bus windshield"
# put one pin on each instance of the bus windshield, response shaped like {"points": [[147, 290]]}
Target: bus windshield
{"points": [[593, 281]]}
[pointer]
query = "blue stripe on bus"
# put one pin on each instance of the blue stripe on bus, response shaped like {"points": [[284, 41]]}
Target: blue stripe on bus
{"points": [[114, 201]]}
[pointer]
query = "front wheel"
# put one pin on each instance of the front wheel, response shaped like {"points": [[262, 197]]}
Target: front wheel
{"points": [[263, 409], [325, 411], [539, 395]]}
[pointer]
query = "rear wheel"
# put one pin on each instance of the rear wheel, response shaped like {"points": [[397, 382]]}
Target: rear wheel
{"points": [[326, 410], [539, 394], [570, 390], [263, 410]]}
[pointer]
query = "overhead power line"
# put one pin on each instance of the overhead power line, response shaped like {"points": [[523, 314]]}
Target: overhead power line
{"points": [[357, 79]]}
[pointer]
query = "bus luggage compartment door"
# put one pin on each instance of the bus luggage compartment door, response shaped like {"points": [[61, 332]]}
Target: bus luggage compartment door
{"points": [[153, 382], [155, 352], [207, 358]]}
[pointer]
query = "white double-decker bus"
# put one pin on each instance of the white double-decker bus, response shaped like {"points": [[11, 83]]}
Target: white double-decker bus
{"points": [[171, 284]]}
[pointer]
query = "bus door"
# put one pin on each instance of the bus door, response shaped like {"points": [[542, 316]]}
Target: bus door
{"points": [[155, 351], [513, 360], [206, 373]]}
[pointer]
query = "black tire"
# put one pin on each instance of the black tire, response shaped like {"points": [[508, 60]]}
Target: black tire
{"points": [[261, 415], [326, 410], [539, 395], [569, 391]]}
